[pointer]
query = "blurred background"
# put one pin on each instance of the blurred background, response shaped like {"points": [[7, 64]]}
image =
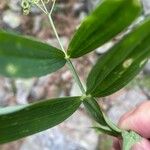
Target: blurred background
{"points": [[75, 133]]}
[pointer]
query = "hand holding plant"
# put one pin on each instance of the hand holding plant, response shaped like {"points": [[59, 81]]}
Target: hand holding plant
{"points": [[25, 58], [137, 121]]}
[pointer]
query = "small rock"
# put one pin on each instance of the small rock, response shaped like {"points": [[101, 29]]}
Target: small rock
{"points": [[75, 91], [37, 93], [146, 4], [6, 93], [37, 23], [104, 48], [147, 69], [92, 4], [2, 4], [82, 16], [67, 76], [11, 19], [53, 91], [54, 42], [15, 5], [23, 90]]}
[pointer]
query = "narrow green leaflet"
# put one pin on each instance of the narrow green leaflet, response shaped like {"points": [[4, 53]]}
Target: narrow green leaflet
{"points": [[121, 63], [104, 124], [105, 22], [94, 110], [25, 57], [105, 130], [20, 121]]}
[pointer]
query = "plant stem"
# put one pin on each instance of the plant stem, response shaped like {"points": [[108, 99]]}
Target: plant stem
{"points": [[76, 77], [69, 63], [41, 8], [93, 105], [56, 34], [52, 8], [44, 6]]}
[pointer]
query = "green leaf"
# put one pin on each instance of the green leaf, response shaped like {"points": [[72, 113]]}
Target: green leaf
{"points": [[94, 110], [105, 130], [20, 121], [105, 22], [122, 63], [129, 139], [104, 124], [25, 57]]}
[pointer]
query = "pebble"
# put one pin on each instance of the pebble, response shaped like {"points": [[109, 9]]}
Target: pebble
{"points": [[15, 5], [75, 91], [23, 87], [6, 92], [12, 19], [147, 69], [146, 4], [104, 48]]}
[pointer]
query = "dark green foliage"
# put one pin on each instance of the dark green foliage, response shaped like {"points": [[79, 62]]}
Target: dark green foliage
{"points": [[96, 113], [23, 57], [106, 21], [20, 121], [121, 63]]}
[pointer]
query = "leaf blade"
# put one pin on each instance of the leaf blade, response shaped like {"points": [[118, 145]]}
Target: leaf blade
{"points": [[102, 25], [121, 64], [104, 124], [24, 57], [21, 121]]}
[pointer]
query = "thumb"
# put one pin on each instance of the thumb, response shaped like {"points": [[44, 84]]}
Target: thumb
{"points": [[138, 120], [144, 144]]}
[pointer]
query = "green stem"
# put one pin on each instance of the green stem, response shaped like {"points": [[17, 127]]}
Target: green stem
{"points": [[52, 7], [40, 8], [69, 63], [75, 75], [44, 6], [56, 34]]}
